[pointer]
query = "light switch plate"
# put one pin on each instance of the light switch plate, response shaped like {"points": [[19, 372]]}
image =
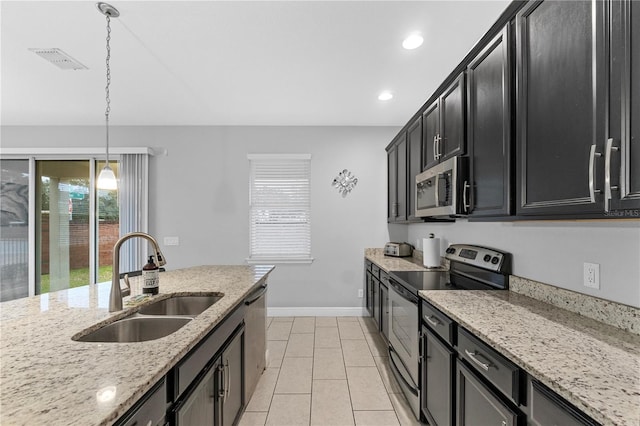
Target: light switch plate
{"points": [[171, 241]]}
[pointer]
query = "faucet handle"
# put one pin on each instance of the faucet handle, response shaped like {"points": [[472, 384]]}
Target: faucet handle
{"points": [[126, 292], [160, 258]]}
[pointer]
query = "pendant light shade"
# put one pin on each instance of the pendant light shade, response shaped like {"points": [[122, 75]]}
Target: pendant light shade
{"points": [[107, 179]]}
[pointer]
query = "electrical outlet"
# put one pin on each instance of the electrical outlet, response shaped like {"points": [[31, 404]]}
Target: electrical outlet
{"points": [[171, 241], [592, 275], [360, 293]]}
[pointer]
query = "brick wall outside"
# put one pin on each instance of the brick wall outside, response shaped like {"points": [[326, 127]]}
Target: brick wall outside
{"points": [[108, 233]]}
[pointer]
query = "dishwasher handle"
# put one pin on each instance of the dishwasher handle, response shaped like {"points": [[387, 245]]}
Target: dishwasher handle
{"points": [[256, 295]]}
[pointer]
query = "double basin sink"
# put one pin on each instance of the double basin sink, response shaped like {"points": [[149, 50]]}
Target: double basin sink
{"points": [[152, 321]]}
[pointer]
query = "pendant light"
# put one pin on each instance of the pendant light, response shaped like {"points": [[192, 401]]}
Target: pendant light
{"points": [[107, 179]]}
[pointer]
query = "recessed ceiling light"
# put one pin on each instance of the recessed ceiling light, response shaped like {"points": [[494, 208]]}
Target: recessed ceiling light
{"points": [[412, 42], [385, 96]]}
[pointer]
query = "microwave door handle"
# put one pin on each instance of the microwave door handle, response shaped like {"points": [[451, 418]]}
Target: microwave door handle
{"points": [[437, 190]]}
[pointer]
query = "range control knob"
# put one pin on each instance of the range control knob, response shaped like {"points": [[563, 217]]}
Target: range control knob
{"points": [[487, 257], [495, 260], [451, 250]]}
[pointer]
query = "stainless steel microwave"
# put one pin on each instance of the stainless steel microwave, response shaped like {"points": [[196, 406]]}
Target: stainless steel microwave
{"points": [[443, 190]]}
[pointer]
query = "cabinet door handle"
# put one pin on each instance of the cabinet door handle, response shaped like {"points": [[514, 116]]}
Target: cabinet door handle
{"points": [[222, 381], [228, 380], [466, 188], [592, 160], [433, 320], [607, 173], [473, 355], [435, 143]]}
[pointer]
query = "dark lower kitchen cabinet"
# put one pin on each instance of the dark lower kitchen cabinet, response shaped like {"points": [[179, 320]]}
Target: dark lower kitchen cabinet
{"points": [[199, 407], [464, 381], [547, 408], [561, 76], [622, 150], [397, 180], [150, 410], [443, 125], [375, 296], [217, 398], [414, 159], [384, 310], [437, 382], [368, 292], [231, 381], [489, 141], [477, 404]]}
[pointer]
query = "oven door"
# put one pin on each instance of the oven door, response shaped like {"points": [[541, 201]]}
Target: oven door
{"points": [[403, 342]]}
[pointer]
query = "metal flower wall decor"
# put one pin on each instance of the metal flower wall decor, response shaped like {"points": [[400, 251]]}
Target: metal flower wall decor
{"points": [[345, 182]]}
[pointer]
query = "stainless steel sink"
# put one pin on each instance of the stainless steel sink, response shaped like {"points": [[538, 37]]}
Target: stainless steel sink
{"points": [[136, 329], [181, 305]]}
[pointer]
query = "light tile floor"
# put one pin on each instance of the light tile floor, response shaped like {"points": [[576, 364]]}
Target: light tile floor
{"points": [[326, 371]]}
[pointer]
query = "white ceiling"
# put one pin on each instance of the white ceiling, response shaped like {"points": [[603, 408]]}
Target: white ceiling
{"points": [[233, 62]]}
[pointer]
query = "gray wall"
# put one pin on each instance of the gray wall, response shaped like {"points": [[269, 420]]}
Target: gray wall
{"points": [[554, 252], [199, 192]]}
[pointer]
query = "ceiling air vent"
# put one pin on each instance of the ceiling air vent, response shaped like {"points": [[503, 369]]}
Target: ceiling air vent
{"points": [[58, 58]]}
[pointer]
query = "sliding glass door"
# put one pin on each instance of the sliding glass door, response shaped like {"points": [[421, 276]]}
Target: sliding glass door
{"points": [[74, 228], [14, 229]]}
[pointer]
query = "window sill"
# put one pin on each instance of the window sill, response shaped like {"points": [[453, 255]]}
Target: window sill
{"points": [[279, 260]]}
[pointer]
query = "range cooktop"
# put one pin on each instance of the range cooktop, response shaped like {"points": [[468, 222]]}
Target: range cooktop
{"points": [[471, 268]]}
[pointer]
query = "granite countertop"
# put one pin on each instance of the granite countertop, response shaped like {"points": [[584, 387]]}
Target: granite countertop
{"points": [[593, 365], [388, 263], [47, 378]]}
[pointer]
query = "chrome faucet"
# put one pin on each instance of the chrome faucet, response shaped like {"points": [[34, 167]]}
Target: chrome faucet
{"points": [[115, 297]]}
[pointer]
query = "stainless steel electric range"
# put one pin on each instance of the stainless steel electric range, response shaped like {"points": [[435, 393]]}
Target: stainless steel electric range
{"points": [[471, 268]]}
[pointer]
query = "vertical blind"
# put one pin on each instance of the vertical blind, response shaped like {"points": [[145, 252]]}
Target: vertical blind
{"points": [[134, 202], [280, 204]]}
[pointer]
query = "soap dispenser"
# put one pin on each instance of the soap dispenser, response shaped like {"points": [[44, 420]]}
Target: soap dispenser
{"points": [[151, 277]]}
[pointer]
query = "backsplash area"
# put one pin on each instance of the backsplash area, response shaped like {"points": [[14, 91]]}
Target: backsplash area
{"points": [[552, 252], [611, 313]]}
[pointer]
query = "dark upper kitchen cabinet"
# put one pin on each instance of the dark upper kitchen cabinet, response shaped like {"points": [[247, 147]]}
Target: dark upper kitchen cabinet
{"points": [[443, 125], [622, 151], [397, 179], [561, 107], [414, 155], [489, 130]]}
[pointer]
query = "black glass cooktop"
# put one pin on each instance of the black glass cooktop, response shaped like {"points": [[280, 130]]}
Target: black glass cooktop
{"points": [[415, 281], [422, 280]]}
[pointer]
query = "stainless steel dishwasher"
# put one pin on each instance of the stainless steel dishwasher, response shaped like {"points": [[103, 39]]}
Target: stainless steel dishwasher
{"points": [[255, 338]]}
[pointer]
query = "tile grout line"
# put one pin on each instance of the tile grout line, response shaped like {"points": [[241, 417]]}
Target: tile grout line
{"points": [[313, 365]]}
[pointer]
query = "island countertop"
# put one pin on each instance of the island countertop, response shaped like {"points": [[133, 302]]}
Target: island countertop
{"points": [[594, 366], [47, 378]]}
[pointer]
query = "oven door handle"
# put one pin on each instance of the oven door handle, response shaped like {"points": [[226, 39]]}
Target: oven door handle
{"points": [[409, 386]]}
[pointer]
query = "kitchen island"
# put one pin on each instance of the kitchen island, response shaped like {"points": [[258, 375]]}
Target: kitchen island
{"points": [[48, 378]]}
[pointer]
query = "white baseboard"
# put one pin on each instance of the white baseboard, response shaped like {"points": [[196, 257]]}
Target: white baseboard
{"points": [[356, 311]]}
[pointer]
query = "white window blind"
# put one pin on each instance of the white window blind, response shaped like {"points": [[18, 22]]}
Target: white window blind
{"points": [[280, 207]]}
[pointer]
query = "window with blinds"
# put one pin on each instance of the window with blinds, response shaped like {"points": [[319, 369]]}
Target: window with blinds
{"points": [[280, 207]]}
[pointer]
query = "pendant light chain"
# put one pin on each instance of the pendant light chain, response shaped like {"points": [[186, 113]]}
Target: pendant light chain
{"points": [[108, 99], [107, 178]]}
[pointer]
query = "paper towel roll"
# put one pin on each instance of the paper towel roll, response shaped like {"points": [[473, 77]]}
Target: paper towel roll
{"points": [[431, 252]]}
